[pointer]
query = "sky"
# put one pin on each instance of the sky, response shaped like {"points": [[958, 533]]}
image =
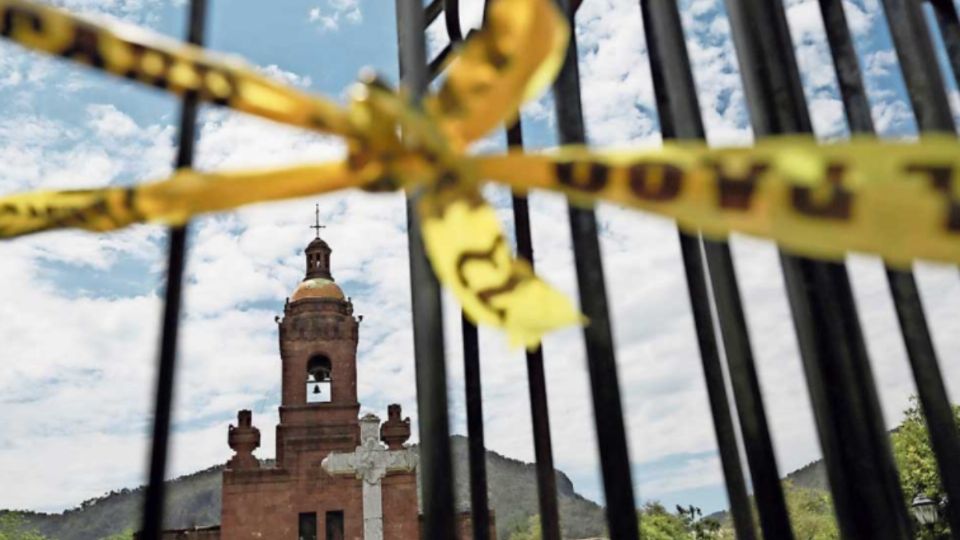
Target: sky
{"points": [[80, 312]]}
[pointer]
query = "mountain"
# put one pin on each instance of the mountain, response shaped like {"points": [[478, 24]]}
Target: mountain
{"points": [[813, 475], [194, 500], [512, 485]]}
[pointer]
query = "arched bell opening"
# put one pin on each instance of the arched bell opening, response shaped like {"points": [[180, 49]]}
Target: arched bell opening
{"points": [[319, 379]]}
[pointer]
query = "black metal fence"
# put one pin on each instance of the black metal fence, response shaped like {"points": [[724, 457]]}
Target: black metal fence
{"points": [[862, 476]]}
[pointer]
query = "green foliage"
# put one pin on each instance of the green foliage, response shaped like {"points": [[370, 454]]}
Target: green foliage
{"points": [[527, 531], [125, 535], [811, 509], [911, 448], [13, 527], [702, 528], [916, 463], [658, 524], [811, 513]]}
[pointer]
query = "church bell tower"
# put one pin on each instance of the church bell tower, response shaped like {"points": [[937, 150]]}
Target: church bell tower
{"points": [[336, 476], [318, 351]]}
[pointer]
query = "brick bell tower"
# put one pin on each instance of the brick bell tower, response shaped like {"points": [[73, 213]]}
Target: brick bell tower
{"points": [[318, 352], [298, 498]]}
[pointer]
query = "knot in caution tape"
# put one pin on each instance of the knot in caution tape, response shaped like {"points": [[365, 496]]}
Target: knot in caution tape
{"points": [[900, 201], [397, 145]]}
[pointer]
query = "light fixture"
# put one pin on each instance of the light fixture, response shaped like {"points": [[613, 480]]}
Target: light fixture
{"points": [[925, 510]]}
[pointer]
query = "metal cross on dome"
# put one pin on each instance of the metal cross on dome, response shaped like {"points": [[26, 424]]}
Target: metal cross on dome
{"points": [[317, 226]]}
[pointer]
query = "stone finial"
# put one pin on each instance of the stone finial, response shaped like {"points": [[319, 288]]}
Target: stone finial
{"points": [[369, 425], [243, 440], [394, 432]]}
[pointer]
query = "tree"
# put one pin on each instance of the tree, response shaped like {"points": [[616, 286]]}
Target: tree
{"points": [[13, 527], [125, 535], [658, 524], [527, 531], [915, 461], [811, 512], [701, 527]]}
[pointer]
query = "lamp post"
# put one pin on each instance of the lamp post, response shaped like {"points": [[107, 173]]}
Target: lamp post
{"points": [[925, 511]]}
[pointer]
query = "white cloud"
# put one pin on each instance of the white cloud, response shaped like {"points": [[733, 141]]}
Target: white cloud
{"points": [[880, 63], [66, 349], [828, 116], [64, 401], [816, 68], [133, 11], [617, 89], [41, 151], [107, 121], [894, 115], [716, 73], [695, 473], [326, 22], [331, 12], [805, 19]]}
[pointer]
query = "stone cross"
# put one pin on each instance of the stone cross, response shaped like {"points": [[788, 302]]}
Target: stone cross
{"points": [[370, 462]]}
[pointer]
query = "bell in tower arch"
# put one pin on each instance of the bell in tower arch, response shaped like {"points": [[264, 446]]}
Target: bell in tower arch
{"points": [[319, 379]]}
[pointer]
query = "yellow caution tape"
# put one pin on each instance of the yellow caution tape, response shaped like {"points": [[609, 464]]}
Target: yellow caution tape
{"points": [[512, 59], [171, 201], [471, 255], [900, 201], [897, 200]]}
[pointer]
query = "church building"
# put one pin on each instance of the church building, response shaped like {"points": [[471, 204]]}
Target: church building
{"points": [[336, 476]]}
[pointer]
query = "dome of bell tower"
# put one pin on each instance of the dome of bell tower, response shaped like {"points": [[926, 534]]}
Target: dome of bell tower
{"points": [[317, 288]]}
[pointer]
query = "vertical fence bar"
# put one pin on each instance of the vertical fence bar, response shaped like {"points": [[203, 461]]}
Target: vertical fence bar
{"points": [[451, 17], [604, 384], [479, 506], [919, 66], [679, 112], [536, 378], [949, 23], [863, 479], [436, 469], [764, 474], [153, 505], [771, 506], [934, 401], [432, 11], [941, 426]]}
